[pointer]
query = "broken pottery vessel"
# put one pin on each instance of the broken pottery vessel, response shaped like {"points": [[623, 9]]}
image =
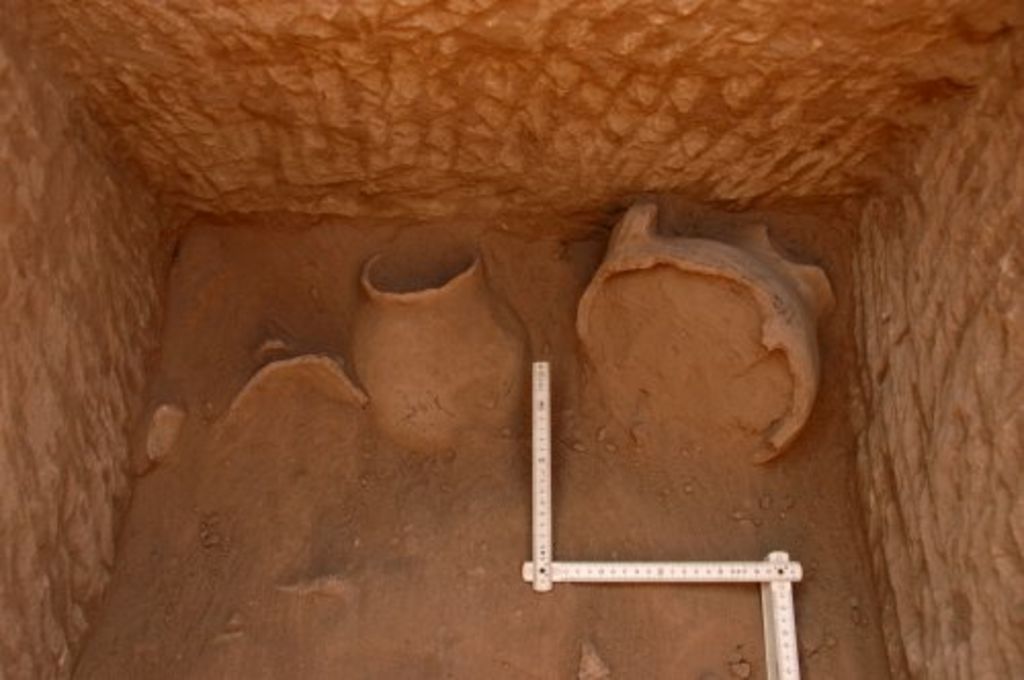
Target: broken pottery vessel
{"points": [[714, 341], [325, 373], [438, 352]]}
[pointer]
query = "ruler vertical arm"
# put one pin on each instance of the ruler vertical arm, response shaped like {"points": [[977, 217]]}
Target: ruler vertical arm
{"points": [[781, 653], [771, 661], [542, 541]]}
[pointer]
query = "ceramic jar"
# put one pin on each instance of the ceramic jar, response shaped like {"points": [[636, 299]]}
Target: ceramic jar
{"points": [[713, 339], [436, 349]]}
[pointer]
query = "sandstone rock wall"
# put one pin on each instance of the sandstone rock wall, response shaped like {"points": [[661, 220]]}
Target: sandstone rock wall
{"points": [[78, 304], [429, 107], [941, 334]]}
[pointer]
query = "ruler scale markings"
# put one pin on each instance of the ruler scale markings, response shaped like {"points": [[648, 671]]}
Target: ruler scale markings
{"points": [[771, 644], [787, 659], [668, 572], [542, 540]]}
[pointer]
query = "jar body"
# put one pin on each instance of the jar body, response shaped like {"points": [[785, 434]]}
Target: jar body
{"points": [[714, 340], [440, 359]]}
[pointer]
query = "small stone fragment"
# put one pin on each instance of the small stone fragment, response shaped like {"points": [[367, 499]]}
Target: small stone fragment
{"points": [[209, 531], [638, 433], [164, 428], [324, 585], [592, 667], [233, 629], [740, 669], [272, 348], [855, 611], [228, 636]]}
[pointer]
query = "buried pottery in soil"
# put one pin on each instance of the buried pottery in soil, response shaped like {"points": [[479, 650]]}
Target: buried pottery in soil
{"points": [[190, 190], [716, 338], [437, 351]]}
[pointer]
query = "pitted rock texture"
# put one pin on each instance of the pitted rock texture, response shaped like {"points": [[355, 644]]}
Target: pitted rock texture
{"points": [[420, 107], [941, 272], [78, 301]]}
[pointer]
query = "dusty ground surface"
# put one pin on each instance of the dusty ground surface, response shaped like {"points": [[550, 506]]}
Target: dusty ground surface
{"points": [[285, 537]]}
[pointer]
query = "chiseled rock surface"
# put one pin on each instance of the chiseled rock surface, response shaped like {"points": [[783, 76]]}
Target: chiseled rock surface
{"points": [[941, 272], [78, 305], [425, 107]]}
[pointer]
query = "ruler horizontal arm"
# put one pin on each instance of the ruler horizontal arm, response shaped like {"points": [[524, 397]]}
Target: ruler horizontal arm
{"points": [[670, 572]]}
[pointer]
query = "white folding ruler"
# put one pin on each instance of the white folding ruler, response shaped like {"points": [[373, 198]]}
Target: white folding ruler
{"points": [[776, 574]]}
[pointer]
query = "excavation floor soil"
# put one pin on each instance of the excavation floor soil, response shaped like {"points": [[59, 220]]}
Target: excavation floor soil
{"points": [[284, 536]]}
